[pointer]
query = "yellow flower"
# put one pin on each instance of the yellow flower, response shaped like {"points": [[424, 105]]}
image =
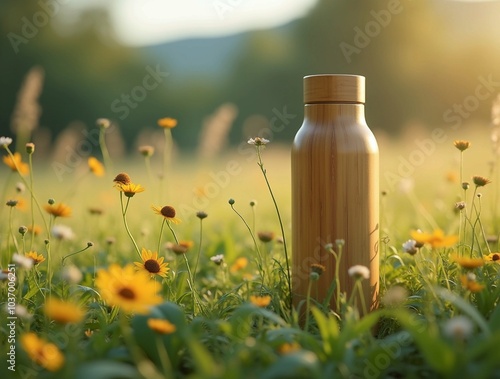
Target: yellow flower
{"points": [[16, 164], [167, 122], [260, 301], [468, 263], [318, 268], [95, 166], [181, 248], [63, 312], [58, 210], [287, 348], [161, 326], [469, 282], [436, 239], [43, 353], [239, 264], [493, 257], [152, 264], [130, 189], [37, 258], [168, 212], [131, 290]]}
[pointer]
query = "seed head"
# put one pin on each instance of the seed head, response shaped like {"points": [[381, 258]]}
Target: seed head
{"points": [[201, 215], [30, 148], [461, 145], [122, 178], [480, 181]]}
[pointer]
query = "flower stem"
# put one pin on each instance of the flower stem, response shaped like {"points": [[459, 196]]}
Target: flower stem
{"points": [[199, 249], [161, 233], [308, 305], [261, 165], [124, 212], [104, 149]]}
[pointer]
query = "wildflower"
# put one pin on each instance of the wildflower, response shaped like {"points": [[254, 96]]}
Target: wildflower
{"points": [[465, 186], [146, 150], [217, 259], [451, 177], [130, 189], [461, 145], [460, 205], [340, 242], [88, 333], [168, 212], [201, 215], [131, 290], [152, 264], [260, 301], [231, 201], [469, 282], [5, 142], [253, 203], [20, 311], [71, 274], [36, 229], [21, 260], [167, 122], [63, 312], [480, 181], [394, 296], [62, 232], [95, 166], [410, 247], [493, 257], [58, 210], [288, 348], [161, 326], [30, 147], [180, 248], [122, 178], [103, 123], [11, 203], [37, 258], [458, 327], [43, 353], [16, 164], [258, 141], [239, 264], [436, 239], [23, 230], [317, 268], [468, 263], [265, 236], [359, 272]]}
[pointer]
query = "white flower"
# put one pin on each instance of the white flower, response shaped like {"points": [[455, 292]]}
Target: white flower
{"points": [[459, 327], [62, 232], [258, 141], [217, 259], [5, 141], [20, 311], [410, 247], [21, 260], [71, 274], [359, 272], [395, 296], [4, 275]]}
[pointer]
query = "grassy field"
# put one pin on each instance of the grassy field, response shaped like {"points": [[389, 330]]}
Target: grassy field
{"points": [[202, 308]]}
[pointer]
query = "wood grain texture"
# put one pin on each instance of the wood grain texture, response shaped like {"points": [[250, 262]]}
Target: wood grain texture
{"points": [[335, 195]]}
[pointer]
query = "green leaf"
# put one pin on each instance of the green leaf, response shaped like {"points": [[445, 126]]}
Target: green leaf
{"points": [[106, 370], [302, 364]]}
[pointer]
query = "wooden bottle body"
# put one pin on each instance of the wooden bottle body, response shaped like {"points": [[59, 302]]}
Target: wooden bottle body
{"points": [[335, 196]]}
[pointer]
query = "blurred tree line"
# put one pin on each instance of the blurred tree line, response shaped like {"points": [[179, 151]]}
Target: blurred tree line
{"points": [[416, 66]]}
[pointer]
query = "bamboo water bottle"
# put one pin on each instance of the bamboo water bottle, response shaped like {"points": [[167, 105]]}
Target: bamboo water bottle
{"points": [[335, 188]]}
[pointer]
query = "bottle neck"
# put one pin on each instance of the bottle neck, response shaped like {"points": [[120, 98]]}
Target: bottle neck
{"points": [[321, 112]]}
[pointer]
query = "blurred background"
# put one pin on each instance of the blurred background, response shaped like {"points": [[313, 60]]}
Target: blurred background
{"points": [[230, 67]]}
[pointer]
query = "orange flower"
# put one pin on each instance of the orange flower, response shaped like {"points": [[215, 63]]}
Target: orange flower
{"points": [[260, 301], [58, 210], [469, 282], [16, 164], [95, 166], [436, 239], [239, 264], [161, 326], [167, 122], [468, 263]]}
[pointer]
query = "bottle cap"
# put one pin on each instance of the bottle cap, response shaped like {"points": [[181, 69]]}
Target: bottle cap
{"points": [[334, 88]]}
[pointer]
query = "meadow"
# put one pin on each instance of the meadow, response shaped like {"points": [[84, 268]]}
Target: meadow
{"points": [[152, 266]]}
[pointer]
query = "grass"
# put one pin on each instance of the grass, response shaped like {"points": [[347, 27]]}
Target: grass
{"points": [[231, 318]]}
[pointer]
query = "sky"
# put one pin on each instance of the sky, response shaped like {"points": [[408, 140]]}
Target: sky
{"points": [[146, 22]]}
